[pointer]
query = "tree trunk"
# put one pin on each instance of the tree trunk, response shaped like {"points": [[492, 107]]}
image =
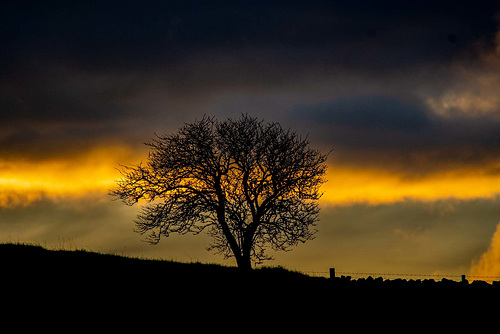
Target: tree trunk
{"points": [[244, 262]]}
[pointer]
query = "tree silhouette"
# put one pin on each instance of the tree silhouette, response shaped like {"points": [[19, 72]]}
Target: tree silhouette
{"points": [[251, 185]]}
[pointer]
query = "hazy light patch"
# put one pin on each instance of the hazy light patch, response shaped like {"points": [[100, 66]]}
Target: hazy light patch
{"points": [[465, 103], [489, 262], [475, 92]]}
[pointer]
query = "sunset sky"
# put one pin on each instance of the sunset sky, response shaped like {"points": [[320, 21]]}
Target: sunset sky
{"points": [[405, 93]]}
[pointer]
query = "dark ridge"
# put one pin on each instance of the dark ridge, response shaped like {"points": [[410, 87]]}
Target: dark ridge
{"points": [[59, 276], [81, 268], [33, 261]]}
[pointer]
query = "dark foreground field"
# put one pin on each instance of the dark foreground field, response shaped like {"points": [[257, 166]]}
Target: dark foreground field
{"points": [[76, 270], [68, 281]]}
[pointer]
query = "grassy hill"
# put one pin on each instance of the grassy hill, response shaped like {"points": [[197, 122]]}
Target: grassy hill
{"points": [[87, 287], [36, 270], [20, 262], [71, 291]]}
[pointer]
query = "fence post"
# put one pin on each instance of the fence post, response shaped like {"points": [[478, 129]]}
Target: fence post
{"points": [[332, 272]]}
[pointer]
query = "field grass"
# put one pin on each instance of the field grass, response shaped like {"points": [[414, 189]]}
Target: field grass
{"points": [[86, 287], [82, 273], [23, 261]]}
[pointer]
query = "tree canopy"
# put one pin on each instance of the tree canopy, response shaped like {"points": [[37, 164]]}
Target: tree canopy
{"points": [[250, 185]]}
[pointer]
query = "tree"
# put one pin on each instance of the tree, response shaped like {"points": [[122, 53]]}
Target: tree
{"points": [[251, 185]]}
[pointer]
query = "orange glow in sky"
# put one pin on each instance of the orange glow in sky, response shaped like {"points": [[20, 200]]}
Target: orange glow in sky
{"points": [[347, 186], [22, 182], [95, 172]]}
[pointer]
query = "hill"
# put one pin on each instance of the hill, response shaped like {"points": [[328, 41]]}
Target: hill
{"points": [[36, 271], [84, 269], [22, 261], [91, 289]]}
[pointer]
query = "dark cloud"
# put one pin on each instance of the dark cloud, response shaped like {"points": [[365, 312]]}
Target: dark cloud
{"points": [[152, 32], [81, 72], [400, 134], [368, 112], [362, 36]]}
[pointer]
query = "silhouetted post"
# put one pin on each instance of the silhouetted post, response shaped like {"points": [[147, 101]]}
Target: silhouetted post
{"points": [[464, 280], [332, 272]]}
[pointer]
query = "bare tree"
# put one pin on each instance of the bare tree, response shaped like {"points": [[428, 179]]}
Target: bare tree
{"points": [[251, 185]]}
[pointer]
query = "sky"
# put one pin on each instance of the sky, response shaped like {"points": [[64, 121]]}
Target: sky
{"points": [[405, 94]]}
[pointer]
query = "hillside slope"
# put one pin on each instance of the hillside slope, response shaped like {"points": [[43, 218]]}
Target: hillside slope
{"points": [[91, 288], [35, 270], [35, 264]]}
